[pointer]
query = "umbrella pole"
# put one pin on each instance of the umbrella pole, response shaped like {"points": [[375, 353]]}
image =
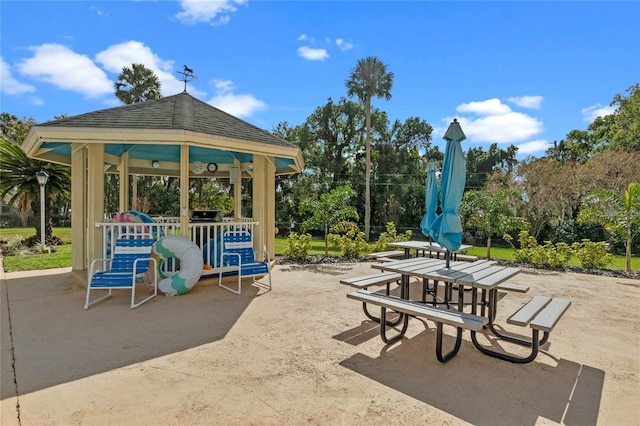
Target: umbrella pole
{"points": [[447, 256]]}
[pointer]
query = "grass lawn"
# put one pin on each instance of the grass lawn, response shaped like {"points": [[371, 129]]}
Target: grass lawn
{"points": [[62, 257], [619, 262], [317, 247], [8, 234], [500, 253]]}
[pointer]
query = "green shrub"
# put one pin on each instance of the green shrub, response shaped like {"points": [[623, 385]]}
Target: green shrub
{"points": [[552, 255], [350, 240], [549, 255], [391, 236], [528, 245], [15, 247], [298, 246], [592, 255]]}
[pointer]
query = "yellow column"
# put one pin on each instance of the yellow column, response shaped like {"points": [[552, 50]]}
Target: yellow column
{"points": [[124, 182], [95, 200], [184, 190], [237, 195], [263, 202], [270, 205], [78, 207], [257, 201]]}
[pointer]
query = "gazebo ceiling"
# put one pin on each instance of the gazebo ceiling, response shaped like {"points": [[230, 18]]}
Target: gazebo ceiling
{"points": [[155, 131]]}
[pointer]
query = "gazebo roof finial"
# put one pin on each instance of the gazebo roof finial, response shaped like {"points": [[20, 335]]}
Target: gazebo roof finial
{"points": [[187, 75]]}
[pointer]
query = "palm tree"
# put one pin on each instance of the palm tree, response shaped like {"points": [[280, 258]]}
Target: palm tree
{"points": [[18, 180], [137, 84], [618, 213], [369, 78]]}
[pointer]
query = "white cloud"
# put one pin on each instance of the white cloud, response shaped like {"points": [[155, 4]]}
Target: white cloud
{"points": [[58, 65], [195, 11], [312, 54], [494, 122], [533, 147], [439, 131], [10, 85], [100, 12], [117, 56], [532, 102], [502, 128], [320, 54], [242, 105], [594, 111], [344, 45], [489, 107]]}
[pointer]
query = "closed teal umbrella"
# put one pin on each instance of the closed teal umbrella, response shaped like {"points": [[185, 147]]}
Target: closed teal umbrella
{"points": [[430, 200], [446, 229]]}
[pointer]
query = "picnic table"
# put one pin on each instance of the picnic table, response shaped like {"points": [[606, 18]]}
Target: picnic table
{"points": [[424, 247], [481, 274], [483, 278]]}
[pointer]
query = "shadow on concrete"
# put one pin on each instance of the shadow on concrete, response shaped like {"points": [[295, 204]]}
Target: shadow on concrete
{"points": [[54, 340], [482, 395]]}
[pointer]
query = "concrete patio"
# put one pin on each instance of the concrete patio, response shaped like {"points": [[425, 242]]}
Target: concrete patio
{"points": [[303, 354]]}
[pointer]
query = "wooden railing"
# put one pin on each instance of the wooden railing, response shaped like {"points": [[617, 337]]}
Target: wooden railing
{"points": [[206, 235]]}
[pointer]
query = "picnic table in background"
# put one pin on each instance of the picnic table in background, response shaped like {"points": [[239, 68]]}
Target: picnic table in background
{"points": [[424, 247]]}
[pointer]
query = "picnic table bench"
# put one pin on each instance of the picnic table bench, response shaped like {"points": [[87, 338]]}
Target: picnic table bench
{"points": [[366, 281], [466, 257], [386, 256], [541, 313], [363, 282], [440, 316], [518, 288]]}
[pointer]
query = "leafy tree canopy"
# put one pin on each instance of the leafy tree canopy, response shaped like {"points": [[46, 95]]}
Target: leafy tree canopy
{"points": [[328, 210], [492, 214], [13, 128], [618, 213], [620, 130]]}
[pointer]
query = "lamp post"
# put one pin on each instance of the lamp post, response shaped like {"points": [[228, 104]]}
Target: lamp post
{"points": [[42, 177]]}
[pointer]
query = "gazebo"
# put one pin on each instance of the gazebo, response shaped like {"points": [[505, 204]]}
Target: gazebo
{"points": [[177, 136]]}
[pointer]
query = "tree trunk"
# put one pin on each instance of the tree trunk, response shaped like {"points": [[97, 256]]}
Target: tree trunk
{"points": [[367, 190], [628, 254], [326, 243], [489, 248]]}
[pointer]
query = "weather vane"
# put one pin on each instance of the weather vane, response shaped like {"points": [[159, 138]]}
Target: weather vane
{"points": [[187, 75]]}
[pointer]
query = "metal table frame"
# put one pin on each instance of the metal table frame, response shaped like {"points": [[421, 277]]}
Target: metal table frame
{"points": [[481, 275]]}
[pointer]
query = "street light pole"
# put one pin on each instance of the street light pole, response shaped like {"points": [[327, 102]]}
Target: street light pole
{"points": [[42, 177]]}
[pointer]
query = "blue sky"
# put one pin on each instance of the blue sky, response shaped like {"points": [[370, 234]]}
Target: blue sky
{"points": [[522, 73]]}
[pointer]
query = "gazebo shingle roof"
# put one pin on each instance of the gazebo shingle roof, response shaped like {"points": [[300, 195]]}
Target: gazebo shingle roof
{"points": [[177, 112]]}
